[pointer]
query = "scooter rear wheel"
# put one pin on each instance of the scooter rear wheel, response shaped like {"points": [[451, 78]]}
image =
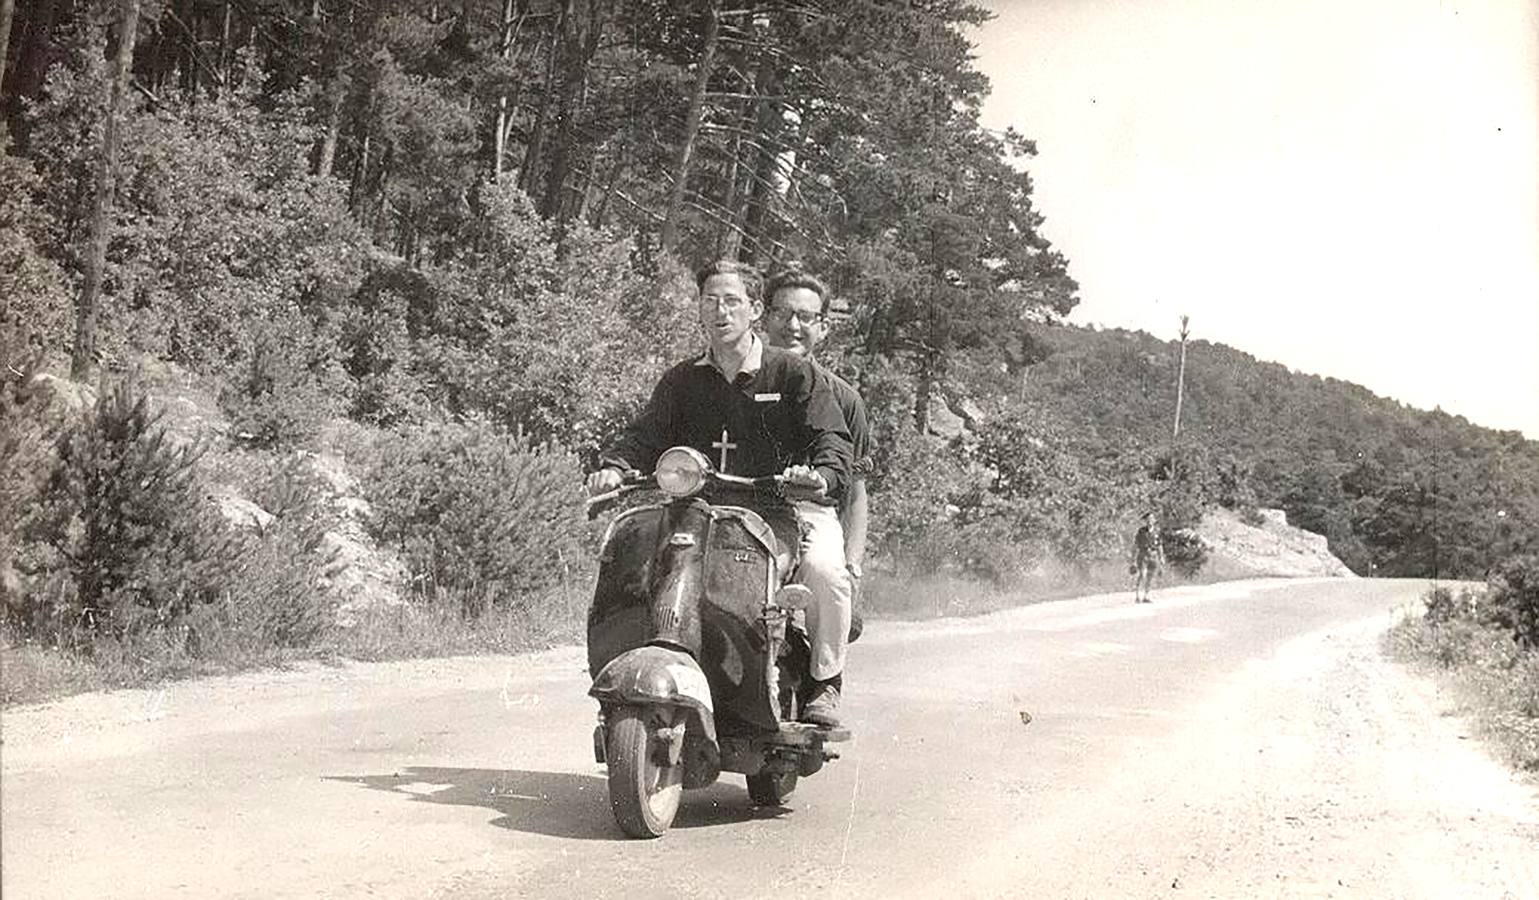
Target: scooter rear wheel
{"points": [[771, 788], [643, 794]]}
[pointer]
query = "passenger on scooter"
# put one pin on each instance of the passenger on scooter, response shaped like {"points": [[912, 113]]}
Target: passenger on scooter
{"points": [[797, 320], [752, 410]]}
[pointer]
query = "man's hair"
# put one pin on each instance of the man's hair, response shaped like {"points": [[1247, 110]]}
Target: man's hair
{"points": [[793, 278], [753, 281]]}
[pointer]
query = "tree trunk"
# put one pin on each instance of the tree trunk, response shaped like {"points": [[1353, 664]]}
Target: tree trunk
{"points": [[88, 305], [924, 389], [536, 146], [739, 183], [580, 33], [602, 211], [224, 48], [770, 123], [670, 236], [504, 107], [356, 189], [7, 13], [187, 58], [328, 154]]}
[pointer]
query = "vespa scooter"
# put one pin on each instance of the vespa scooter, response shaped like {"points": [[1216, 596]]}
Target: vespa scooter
{"points": [[698, 665]]}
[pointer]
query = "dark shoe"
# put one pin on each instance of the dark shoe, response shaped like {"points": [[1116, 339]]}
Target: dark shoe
{"points": [[823, 706]]}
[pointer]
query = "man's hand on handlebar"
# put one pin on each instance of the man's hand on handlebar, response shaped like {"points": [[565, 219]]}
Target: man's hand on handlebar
{"points": [[604, 481], [805, 476]]}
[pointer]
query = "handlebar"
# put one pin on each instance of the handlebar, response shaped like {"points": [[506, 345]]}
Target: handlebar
{"points": [[774, 485]]}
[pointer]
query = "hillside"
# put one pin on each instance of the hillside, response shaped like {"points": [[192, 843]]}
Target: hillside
{"points": [[1396, 490]]}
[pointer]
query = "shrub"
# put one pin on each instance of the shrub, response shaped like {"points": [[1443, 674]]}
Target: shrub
{"points": [[481, 518], [285, 389], [125, 524], [282, 601], [26, 438], [1185, 550], [1444, 606], [1512, 602]]}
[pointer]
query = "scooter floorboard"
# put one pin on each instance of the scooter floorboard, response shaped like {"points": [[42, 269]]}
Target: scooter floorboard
{"points": [[801, 734]]}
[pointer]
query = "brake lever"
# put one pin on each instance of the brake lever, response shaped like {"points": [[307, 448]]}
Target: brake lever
{"points": [[600, 502]]}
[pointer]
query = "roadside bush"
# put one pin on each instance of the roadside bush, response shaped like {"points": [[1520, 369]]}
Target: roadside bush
{"points": [[283, 601], [127, 560], [1443, 605], [1513, 600], [285, 389], [482, 519], [1185, 551], [26, 446], [1497, 677], [128, 542]]}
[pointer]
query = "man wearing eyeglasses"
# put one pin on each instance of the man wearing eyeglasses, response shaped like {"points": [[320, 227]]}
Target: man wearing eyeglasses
{"points": [[798, 321], [753, 410]]}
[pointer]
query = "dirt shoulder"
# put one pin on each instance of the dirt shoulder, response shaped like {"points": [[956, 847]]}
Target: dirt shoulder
{"points": [[1324, 771]]}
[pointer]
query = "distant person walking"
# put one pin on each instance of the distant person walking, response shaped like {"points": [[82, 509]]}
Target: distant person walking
{"points": [[1148, 558]]}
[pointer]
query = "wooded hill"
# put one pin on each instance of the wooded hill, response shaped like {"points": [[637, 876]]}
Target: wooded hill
{"points": [[1398, 491]]}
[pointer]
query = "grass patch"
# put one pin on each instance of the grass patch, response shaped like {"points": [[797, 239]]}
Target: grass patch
{"points": [[34, 673], [1494, 679], [31, 672], [414, 630]]}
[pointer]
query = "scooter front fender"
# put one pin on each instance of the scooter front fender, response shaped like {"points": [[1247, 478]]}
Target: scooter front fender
{"points": [[652, 675]]}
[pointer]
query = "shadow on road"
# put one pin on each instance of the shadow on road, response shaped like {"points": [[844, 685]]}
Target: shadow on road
{"points": [[558, 804]]}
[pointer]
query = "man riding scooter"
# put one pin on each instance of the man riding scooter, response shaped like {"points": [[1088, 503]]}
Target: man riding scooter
{"points": [[797, 319], [754, 410]]}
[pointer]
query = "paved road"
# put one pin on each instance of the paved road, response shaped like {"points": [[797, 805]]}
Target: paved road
{"points": [[1236, 740]]}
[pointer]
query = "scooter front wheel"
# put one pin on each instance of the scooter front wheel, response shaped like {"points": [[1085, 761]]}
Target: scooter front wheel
{"points": [[644, 791]]}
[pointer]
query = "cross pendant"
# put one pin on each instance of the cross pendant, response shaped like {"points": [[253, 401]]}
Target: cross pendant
{"points": [[724, 445]]}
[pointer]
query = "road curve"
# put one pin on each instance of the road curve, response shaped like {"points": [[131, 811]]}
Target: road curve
{"points": [[1234, 740]]}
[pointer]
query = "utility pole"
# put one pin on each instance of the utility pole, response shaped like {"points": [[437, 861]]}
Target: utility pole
{"points": [[1175, 432]]}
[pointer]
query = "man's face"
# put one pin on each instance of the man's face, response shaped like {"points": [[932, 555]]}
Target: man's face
{"points": [[796, 320], [726, 313]]}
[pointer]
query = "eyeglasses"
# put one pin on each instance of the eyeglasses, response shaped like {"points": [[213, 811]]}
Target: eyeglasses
{"points": [[804, 316], [723, 301]]}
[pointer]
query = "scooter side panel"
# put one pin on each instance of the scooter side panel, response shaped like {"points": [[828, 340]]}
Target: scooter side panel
{"points": [[734, 648], [620, 616]]}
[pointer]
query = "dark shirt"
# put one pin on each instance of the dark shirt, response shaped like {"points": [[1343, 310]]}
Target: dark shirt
{"points": [[782, 414], [854, 411], [1146, 542]]}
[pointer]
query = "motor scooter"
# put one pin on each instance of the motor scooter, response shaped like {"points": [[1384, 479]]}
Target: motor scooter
{"points": [[698, 665]]}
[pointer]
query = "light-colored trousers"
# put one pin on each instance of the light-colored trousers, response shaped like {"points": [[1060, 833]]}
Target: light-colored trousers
{"points": [[823, 571]]}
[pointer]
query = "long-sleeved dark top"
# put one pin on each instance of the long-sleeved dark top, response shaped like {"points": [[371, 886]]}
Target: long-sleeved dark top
{"points": [[784, 413]]}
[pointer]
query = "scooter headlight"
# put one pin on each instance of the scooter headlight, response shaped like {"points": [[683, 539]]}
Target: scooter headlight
{"points": [[681, 471]]}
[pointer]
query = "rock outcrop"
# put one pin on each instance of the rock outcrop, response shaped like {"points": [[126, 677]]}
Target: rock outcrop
{"points": [[1271, 548]]}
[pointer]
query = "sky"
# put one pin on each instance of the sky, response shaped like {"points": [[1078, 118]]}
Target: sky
{"points": [[1350, 189]]}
